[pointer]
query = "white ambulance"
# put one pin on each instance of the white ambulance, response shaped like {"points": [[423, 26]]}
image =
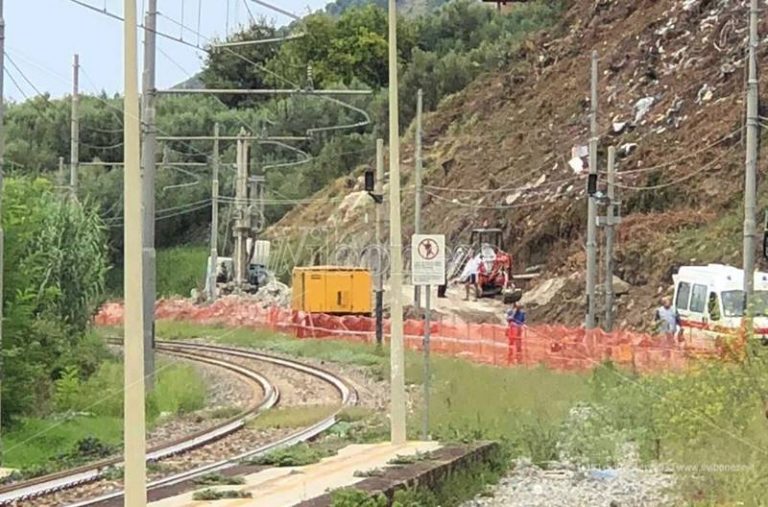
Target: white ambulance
{"points": [[710, 301]]}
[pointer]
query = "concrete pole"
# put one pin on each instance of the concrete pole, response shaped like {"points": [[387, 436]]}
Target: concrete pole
{"points": [[610, 230], [149, 154], [214, 217], [419, 189], [241, 205], [592, 204], [74, 151], [133, 420], [2, 173], [60, 178], [427, 373], [750, 180], [397, 355], [379, 190]]}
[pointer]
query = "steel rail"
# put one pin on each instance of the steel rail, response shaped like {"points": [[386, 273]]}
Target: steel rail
{"points": [[67, 479], [348, 395]]}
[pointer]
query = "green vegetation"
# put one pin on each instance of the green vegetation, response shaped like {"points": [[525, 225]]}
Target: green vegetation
{"points": [[294, 456], [217, 479], [212, 494], [55, 260], [292, 417], [708, 424], [353, 497], [408, 459], [454, 489], [179, 270], [36, 442], [91, 410], [440, 52]]}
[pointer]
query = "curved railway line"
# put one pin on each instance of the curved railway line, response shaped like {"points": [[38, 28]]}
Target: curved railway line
{"points": [[27, 490]]}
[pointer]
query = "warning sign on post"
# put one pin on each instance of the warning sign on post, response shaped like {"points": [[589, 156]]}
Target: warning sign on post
{"points": [[428, 259]]}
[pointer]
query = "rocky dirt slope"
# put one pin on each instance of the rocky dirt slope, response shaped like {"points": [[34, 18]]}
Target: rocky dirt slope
{"points": [[672, 80]]}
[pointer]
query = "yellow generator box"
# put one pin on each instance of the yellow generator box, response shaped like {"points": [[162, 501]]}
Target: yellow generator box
{"points": [[331, 289]]}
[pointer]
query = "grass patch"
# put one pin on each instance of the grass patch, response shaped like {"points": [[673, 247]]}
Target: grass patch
{"points": [[460, 409], [373, 472], [214, 494], [408, 459], [91, 411], [179, 270], [292, 417], [353, 497], [294, 456], [216, 479], [457, 487], [34, 442]]}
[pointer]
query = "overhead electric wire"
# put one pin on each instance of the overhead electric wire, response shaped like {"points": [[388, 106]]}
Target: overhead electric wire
{"points": [[366, 117], [250, 14], [97, 147], [23, 75], [173, 61], [679, 159], [702, 169], [141, 25], [16, 83], [277, 9], [499, 206]]}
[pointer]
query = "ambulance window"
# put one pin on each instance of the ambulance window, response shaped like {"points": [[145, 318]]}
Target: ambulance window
{"points": [[698, 298], [683, 293]]}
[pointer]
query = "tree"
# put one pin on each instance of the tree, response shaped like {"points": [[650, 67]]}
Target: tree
{"points": [[55, 262], [243, 67]]}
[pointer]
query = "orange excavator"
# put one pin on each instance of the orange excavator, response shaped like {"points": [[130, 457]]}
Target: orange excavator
{"points": [[495, 276]]}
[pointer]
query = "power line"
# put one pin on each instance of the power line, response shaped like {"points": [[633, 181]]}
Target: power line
{"points": [[96, 147], [660, 186], [24, 76], [250, 14], [16, 84], [277, 9]]}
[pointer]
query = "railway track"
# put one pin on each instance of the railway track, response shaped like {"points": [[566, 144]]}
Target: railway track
{"points": [[53, 483]]}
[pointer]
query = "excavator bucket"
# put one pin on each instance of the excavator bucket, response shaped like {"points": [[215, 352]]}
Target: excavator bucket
{"points": [[512, 296]]}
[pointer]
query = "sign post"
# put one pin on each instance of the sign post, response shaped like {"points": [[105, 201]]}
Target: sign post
{"points": [[428, 259]]}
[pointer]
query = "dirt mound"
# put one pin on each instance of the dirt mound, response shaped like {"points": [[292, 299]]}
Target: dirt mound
{"points": [[671, 100]]}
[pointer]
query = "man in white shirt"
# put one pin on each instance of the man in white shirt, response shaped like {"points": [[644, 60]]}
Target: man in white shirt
{"points": [[473, 266]]}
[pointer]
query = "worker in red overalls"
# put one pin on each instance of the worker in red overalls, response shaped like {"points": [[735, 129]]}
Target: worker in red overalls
{"points": [[516, 322]]}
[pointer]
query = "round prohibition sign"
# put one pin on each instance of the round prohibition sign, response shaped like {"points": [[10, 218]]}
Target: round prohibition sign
{"points": [[428, 249]]}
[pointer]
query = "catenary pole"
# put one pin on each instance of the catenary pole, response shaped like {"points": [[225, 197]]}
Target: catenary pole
{"points": [[74, 149], [397, 356], [149, 154], [592, 203], [2, 172], [60, 178], [750, 183], [133, 420], [419, 189], [610, 230], [379, 191], [214, 217]]}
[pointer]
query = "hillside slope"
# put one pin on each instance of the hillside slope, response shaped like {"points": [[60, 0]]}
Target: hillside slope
{"points": [[499, 150]]}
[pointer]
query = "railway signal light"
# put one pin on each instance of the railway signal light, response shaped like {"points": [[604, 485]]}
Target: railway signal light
{"points": [[765, 237], [370, 185], [592, 184]]}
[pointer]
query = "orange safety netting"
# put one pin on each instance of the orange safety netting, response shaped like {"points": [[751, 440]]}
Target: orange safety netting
{"points": [[559, 347]]}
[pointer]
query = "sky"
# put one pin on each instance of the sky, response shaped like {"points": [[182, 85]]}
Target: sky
{"points": [[43, 35]]}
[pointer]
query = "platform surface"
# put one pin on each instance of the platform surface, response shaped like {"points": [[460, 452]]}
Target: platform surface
{"points": [[283, 487]]}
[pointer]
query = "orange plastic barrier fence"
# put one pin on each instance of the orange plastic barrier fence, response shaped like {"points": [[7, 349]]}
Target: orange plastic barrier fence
{"points": [[555, 346]]}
